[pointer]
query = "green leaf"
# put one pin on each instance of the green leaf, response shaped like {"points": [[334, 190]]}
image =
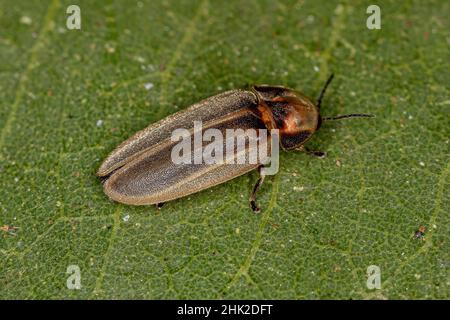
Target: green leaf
{"points": [[68, 97]]}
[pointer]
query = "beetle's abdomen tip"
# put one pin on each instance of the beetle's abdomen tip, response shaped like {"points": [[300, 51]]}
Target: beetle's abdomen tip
{"points": [[101, 172], [104, 169], [111, 193], [120, 191]]}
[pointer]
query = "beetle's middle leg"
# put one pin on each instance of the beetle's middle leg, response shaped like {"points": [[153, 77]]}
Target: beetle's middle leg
{"points": [[318, 154], [258, 184]]}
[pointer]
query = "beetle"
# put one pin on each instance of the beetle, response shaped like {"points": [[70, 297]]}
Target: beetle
{"points": [[140, 171], [420, 233]]}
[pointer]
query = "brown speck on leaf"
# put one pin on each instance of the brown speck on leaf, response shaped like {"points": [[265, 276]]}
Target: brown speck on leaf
{"points": [[9, 229], [394, 100], [274, 225], [49, 93], [338, 163]]}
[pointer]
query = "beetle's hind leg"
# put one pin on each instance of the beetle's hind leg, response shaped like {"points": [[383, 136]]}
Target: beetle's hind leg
{"points": [[258, 184], [317, 154]]}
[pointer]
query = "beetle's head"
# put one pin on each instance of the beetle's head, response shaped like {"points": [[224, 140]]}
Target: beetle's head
{"points": [[292, 113]]}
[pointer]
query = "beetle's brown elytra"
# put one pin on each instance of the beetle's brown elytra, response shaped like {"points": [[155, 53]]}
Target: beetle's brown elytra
{"points": [[140, 171]]}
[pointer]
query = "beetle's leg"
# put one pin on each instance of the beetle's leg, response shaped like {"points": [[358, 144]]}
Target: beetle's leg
{"points": [[159, 205], [318, 154], [258, 184]]}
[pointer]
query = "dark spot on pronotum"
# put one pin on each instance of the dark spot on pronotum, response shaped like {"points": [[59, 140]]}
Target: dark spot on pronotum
{"points": [[292, 141]]}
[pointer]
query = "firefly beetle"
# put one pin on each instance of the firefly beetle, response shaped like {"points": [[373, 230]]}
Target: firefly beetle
{"points": [[140, 171], [420, 233]]}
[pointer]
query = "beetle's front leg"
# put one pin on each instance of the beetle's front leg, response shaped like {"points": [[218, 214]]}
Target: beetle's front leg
{"points": [[318, 154], [159, 205], [258, 184]]}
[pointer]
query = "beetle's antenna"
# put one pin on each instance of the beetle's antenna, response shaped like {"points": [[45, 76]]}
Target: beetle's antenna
{"points": [[322, 93], [352, 115]]}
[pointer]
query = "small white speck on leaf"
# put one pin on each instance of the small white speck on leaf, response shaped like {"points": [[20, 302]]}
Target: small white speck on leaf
{"points": [[238, 231], [310, 19], [148, 86], [316, 69], [109, 48], [26, 20], [99, 123], [139, 59], [422, 164], [126, 218], [299, 188]]}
